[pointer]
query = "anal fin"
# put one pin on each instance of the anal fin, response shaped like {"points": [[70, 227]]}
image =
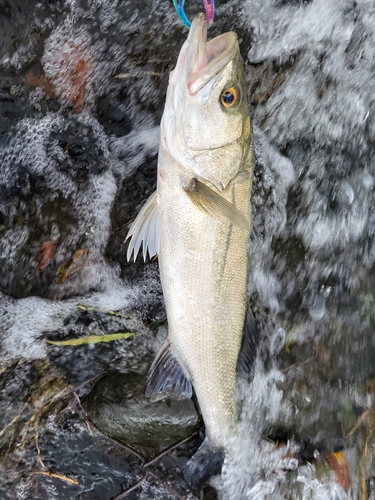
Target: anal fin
{"points": [[145, 229], [214, 204], [166, 377]]}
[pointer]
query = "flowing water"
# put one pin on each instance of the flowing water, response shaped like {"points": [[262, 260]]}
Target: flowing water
{"points": [[78, 153]]}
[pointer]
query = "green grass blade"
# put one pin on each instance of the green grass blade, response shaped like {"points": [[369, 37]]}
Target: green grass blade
{"points": [[91, 339]]}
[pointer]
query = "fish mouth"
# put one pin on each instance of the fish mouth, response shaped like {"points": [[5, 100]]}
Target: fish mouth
{"points": [[208, 57]]}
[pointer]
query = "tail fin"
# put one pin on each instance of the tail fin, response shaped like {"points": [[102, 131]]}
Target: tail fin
{"points": [[205, 463]]}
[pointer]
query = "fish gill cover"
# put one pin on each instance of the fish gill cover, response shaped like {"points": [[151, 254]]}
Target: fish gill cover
{"points": [[78, 158]]}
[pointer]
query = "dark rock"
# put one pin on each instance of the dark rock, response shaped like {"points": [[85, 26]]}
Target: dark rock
{"points": [[118, 406], [209, 493], [114, 116], [12, 109], [76, 152]]}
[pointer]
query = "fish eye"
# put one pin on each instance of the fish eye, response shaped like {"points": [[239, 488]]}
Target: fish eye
{"points": [[230, 97]]}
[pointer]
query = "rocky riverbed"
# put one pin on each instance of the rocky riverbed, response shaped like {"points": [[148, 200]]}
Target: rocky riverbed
{"points": [[78, 156]]}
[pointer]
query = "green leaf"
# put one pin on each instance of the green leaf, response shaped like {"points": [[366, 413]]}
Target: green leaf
{"points": [[91, 339]]}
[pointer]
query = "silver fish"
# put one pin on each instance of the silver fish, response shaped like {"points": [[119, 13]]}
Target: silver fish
{"points": [[198, 222]]}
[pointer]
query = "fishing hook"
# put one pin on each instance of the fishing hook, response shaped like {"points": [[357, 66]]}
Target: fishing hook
{"points": [[209, 6]]}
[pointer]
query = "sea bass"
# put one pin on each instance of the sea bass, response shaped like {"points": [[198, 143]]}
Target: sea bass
{"points": [[198, 223]]}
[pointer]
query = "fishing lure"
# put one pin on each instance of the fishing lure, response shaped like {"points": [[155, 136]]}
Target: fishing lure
{"points": [[209, 6]]}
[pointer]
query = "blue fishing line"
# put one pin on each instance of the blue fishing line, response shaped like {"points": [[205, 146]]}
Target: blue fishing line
{"points": [[179, 6], [209, 7]]}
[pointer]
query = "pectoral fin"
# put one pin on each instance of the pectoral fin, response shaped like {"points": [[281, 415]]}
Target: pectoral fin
{"points": [[215, 205], [166, 377], [146, 229]]}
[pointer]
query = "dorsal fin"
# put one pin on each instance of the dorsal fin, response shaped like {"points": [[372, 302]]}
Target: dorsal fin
{"points": [[166, 377], [146, 229]]}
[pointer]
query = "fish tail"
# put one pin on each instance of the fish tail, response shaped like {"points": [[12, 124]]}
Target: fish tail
{"points": [[205, 463]]}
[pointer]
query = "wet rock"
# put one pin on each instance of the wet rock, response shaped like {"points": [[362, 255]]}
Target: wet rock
{"points": [[25, 391], [113, 115], [77, 152], [20, 29], [209, 493], [12, 109], [51, 173], [92, 361], [118, 406]]}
